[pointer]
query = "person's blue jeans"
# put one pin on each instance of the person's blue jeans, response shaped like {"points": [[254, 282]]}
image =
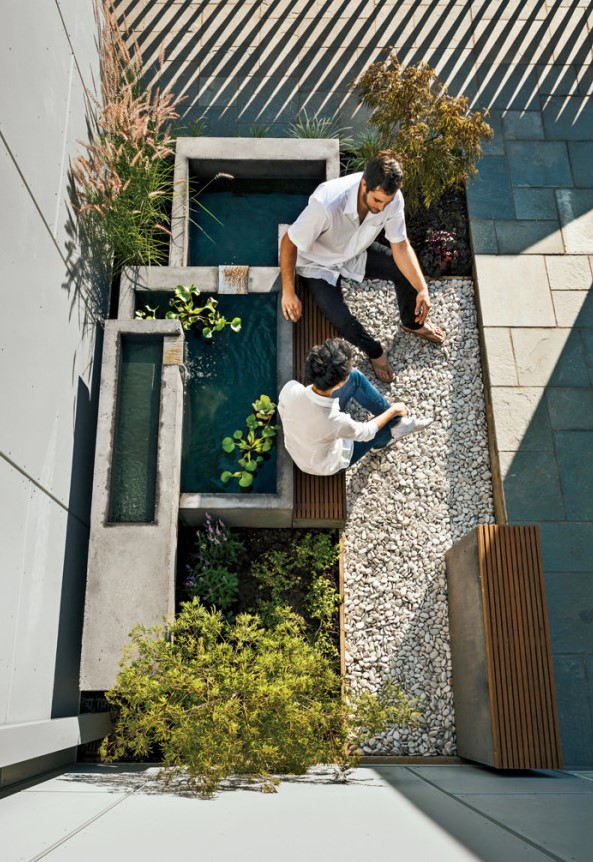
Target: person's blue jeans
{"points": [[360, 389]]}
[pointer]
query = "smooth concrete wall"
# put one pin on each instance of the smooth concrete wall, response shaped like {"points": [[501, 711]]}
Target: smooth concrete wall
{"points": [[52, 297]]}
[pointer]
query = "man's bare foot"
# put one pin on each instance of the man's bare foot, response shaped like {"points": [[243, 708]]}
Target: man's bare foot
{"points": [[429, 331], [383, 369]]}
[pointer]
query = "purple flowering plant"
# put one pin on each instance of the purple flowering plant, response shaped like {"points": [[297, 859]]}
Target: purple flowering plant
{"points": [[211, 573], [443, 253]]}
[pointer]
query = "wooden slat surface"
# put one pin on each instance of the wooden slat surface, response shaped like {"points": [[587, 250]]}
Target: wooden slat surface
{"points": [[522, 694], [318, 500]]}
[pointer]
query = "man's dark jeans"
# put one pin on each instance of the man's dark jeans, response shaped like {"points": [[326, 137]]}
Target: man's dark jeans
{"points": [[330, 301]]}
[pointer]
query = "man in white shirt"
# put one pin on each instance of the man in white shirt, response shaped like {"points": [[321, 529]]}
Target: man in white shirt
{"points": [[334, 237], [319, 436]]}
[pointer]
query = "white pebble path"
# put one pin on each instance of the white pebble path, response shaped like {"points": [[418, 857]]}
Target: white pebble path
{"points": [[408, 505]]}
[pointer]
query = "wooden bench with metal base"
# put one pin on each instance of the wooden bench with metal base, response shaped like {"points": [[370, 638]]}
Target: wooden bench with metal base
{"points": [[319, 501], [503, 682]]}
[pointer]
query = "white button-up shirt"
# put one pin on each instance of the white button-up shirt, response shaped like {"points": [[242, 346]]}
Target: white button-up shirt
{"points": [[328, 234], [318, 436]]}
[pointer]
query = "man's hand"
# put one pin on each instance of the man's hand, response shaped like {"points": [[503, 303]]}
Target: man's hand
{"points": [[291, 306], [422, 305], [399, 409]]}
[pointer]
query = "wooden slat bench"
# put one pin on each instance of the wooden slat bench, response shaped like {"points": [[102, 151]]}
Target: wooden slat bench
{"points": [[503, 683], [319, 501]]}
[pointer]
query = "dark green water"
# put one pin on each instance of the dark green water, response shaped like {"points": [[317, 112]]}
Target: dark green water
{"points": [[223, 379], [133, 467], [250, 212]]}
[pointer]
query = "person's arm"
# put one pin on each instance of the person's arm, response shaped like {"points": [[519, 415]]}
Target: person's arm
{"points": [[291, 304], [407, 263], [397, 409], [352, 429]]}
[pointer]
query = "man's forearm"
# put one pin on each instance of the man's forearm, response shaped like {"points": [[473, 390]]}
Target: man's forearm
{"points": [[407, 263], [288, 259]]}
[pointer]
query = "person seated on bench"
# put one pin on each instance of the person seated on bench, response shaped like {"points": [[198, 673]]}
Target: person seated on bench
{"points": [[319, 435]]}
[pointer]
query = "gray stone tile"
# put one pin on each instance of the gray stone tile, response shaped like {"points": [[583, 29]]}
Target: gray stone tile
{"points": [[539, 354], [521, 421], [570, 603], [500, 360], [573, 307], [534, 237], [508, 86], [495, 146], [581, 160], [532, 488], [586, 336], [584, 76], [571, 369], [573, 690], [483, 236], [557, 80], [523, 125], [569, 272], [513, 291], [217, 91], [322, 104], [568, 119], [574, 451], [534, 204], [499, 41], [539, 164], [570, 37], [460, 780], [489, 195], [264, 100], [566, 546], [570, 408], [220, 121], [576, 218]]}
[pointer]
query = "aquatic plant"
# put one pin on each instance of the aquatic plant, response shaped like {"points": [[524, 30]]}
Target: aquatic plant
{"points": [[435, 134], [254, 444], [189, 315]]}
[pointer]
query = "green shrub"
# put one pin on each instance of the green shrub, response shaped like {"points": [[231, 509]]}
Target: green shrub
{"points": [[436, 136], [211, 573], [217, 699]]}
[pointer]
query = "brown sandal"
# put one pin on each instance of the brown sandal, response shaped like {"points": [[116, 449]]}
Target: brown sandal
{"points": [[383, 370], [428, 332]]}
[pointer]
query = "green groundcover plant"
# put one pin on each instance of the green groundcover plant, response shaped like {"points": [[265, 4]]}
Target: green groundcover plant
{"points": [[435, 134], [217, 699], [253, 444], [182, 307]]}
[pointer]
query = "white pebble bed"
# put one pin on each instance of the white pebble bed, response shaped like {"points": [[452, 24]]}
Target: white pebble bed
{"points": [[408, 505]]}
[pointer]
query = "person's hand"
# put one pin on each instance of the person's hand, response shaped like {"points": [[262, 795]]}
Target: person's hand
{"points": [[291, 307], [399, 409], [422, 305]]}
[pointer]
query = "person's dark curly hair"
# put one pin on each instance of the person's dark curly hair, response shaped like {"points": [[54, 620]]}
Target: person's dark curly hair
{"points": [[328, 364], [384, 172]]}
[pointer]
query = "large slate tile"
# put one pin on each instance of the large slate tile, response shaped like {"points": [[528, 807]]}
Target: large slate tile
{"points": [[575, 207], [570, 612], [460, 780], [495, 146], [557, 80], [532, 488], [568, 119], [541, 355], [523, 125], [513, 291], [489, 195], [534, 237], [575, 462], [573, 307], [542, 164], [566, 546], [535, 204], [508, 86], [521, 420], [581, 160], [571, 368], [586, 336], [483, 236], [573, 691], [570, 409], [569, 272], [500, 360]]}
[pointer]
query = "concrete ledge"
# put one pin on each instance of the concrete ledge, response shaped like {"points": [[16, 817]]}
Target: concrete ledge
{"points": [[21, 742], [131, 568]]}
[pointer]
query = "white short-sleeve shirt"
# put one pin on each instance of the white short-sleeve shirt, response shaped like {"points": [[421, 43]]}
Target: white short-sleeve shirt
{"points": [[319, 437], [328, 234]]}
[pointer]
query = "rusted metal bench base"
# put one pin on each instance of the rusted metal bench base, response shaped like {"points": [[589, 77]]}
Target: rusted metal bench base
{"points": [[319, 501], [503, 683]]}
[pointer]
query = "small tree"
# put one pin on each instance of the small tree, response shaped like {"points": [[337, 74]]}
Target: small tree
{"points": [[435, 134], [216, 699]]}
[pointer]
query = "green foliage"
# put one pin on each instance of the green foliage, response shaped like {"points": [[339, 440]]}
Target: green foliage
{"points": [[318, 127], [257, 131], [254, 444], [189, 315], [217, 699], [211, 573], [436, 135], [361, 149]]}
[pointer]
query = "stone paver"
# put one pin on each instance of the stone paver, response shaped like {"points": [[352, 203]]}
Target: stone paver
{"points": [[531, 213]]}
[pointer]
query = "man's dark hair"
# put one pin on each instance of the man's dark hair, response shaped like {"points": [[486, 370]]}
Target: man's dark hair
{"points": [[328, 364], [384, 172]]}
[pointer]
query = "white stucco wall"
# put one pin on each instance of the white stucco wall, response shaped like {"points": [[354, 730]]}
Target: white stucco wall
{"points": [[48, 55]]}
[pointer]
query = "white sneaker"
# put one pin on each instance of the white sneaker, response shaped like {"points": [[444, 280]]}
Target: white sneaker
{"points": [[407, 425]]}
